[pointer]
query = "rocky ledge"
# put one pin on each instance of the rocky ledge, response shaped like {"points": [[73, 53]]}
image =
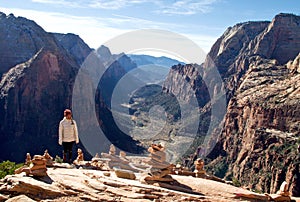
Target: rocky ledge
{"points": [[71, 184]]}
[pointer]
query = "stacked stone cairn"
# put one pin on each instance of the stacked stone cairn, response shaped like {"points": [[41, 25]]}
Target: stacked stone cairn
{"points": [[28, 159], [117, 161], [199, 168], [181, 170], [36, 167], [80, 157], [49, 159], [98, 163], [112, 150], [160, 169]]}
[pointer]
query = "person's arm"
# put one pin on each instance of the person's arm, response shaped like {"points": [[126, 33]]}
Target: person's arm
{"points": [[76, 132], [60, 133]]}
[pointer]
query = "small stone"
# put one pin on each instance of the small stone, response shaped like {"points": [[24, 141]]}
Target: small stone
{"points": [[107, 174], [127, 174]]}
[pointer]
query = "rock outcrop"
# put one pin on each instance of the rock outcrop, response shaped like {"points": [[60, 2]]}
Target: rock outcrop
{"points": [[259, 66], [261, 128], [262, 121], [36, 86], [90, 185], [20, 40], [74, 45], [71, 184]]}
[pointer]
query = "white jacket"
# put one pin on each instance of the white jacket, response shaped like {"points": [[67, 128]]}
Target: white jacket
{"points": [[68, 131]]}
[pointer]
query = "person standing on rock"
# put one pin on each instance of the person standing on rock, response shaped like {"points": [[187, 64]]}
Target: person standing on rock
{"points": [[68, 135]]}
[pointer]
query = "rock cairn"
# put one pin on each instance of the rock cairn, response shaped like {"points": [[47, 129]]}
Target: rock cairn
{"points": [[38, 166], [122, 154], [48, 158], [112, 150], [117, 161], [160, 169], [99, 163], [28, 159], [181, 170], [79, 155], [199, 168]]}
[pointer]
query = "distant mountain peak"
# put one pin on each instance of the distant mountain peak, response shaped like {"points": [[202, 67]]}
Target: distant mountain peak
{"points": [[152, 60], [104, 52]]}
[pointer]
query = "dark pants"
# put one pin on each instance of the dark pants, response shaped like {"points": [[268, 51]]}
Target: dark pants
{"points": [[67, 153]]}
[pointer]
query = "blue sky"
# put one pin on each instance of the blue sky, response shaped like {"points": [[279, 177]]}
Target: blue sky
{"points": [[97, 21]]}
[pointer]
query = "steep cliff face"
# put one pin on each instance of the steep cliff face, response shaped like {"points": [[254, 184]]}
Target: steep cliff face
{"points": [[232, 44], [20, 40], [261, 127], [74, 45], [33, 96], [36, 86], [281, 36], [257, 62], [185, 81]]}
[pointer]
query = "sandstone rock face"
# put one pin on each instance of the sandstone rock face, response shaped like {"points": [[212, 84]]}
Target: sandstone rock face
{"points": [[294, 65], [259, 138], [74, 45], [262, 121], [35, 87], [63, 184], [232, 44], [185, 81], [281, 39], [261, 127], [20, 40]]}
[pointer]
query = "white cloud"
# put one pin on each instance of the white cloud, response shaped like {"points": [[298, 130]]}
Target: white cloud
{"points": [[114, 4], [187, 7], [92, 30], [139, 23], [95, 31], [67, 3], [168, 7], [101, 4]]}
